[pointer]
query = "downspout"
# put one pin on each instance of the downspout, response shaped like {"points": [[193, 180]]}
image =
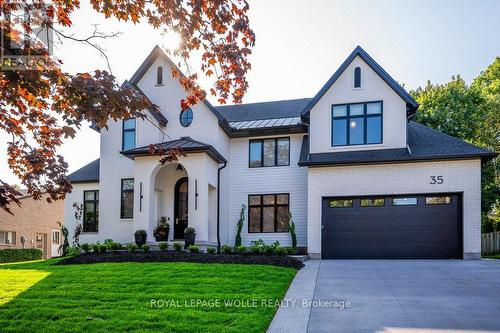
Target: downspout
{"points": [[218, 205]]}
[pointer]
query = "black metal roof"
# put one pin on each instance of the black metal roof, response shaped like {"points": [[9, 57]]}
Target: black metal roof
{"points": [[185, 144], [424, 144], [86, 174], [358, 51]]}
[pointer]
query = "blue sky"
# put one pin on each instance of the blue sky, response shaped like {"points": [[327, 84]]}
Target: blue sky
{"points": [[301, 43]]}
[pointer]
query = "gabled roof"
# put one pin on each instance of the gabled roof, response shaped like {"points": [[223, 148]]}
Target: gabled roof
{"points": [[358, 51], [86, 174], [185, 144], [424, 144]]}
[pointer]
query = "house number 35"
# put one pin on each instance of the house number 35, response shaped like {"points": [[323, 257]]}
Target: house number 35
{"points": [[436, 180]]}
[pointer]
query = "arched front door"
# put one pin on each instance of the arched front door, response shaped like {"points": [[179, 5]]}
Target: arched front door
{"points": [[181, 208]]}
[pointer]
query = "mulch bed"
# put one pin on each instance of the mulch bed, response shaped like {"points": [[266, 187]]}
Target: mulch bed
{"points": [[173, 256]]}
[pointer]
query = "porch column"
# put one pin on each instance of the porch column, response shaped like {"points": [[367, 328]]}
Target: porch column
{"points": [[145, 172]]}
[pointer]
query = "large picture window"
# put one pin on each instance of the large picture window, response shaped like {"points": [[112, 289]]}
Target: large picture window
{"points": [[127, 199], [357, 124], [90, 211], [269, 152], [128, 134], [268, 213]]}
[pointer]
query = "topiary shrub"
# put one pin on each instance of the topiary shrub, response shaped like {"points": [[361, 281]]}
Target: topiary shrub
{"points": [[131, 247], [241, 249], [86, 247], [178, 246], [145, 248], [227, 249], [291, 229], [239, 227], [211, 250], [193, 249], [16, 255], [163, 246]]}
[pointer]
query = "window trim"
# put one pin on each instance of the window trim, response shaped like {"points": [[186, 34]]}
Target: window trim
{"points": [[261, 206], [275, 152], [364, 116], [129, 130], [354, 78], [96, 210], [122, 217], [180, 117]]}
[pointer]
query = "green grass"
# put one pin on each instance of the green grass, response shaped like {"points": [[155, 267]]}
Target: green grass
{"points": [[496, 256], [41, 297]]}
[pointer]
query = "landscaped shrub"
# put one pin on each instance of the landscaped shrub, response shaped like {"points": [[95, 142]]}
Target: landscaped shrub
{"points": [[279, 250], [258, 246], [193, 249], [15, 255], [227, 249], [163, 246], [73, 250], [211, 250], [145, 248], [290, 250], [103, 248], [178, 246], [291, 229], [131, 247], [85, 247], [241, 249], [112, 245], [96, 247], [237, 241], [269, 249]]}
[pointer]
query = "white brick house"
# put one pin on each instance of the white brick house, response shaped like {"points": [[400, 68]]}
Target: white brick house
{"points": [[359, 177]]}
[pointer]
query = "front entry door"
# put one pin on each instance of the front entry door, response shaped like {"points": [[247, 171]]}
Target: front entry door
{"points": [[41, 243], [181, 208]]}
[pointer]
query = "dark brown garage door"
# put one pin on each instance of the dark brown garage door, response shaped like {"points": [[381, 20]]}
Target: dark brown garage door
{"points": [[386, 227]]}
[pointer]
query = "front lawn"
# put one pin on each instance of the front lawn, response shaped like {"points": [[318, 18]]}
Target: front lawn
{"points": [[495, 256], [112, 297]]}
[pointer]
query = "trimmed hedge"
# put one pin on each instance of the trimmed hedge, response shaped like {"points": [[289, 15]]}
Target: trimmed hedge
{"points": [[171, 256], [15, 255]]}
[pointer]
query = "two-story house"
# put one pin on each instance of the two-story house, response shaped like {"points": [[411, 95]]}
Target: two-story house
{"points": [[359, 177]]}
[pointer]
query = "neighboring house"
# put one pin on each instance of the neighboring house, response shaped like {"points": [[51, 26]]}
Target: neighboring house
{"points": [[34, 224], [360, 179]]}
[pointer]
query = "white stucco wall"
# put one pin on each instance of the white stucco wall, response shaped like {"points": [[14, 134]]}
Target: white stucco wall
{"points": [[290, 179], [406, 178], [342, 91]]}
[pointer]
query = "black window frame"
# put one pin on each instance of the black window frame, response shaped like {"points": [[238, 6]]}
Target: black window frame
{"points": [[189, 118], [124, 130], [365, 116], [357, 77], [95, 212], [159, 76], [262, 152], [122, 216], [262, 206]]}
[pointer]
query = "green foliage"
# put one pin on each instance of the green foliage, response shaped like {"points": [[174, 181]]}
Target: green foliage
{"points": [[290, 250], [193, 249], [73, 250], [163, 246], [237, 241], [291, 229], [63, 248], [85, 247], [103, 248], [211, 250], [258, 246], [178, 246], [16, 255], [189, 230], [145, 248], [96, 247], [112, 245], [268, 249], [132, 247], [279, 250], [241, 249], [227, 249], [471, 113]]}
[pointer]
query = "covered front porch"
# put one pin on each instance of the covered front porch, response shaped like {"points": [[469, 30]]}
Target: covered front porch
{"points": [[184, 192]]}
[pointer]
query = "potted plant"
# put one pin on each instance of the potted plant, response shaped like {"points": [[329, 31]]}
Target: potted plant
{"points": [[140, 237], [161, 231], [189, 235]]}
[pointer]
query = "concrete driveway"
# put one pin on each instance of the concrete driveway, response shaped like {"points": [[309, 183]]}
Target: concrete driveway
{"points": [[394, 296]]}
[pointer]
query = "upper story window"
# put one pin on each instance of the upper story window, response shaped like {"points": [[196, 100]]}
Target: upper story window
{"points": [[357, 124], [186, 117], [128, 134], [159, 75], [90, 211], [269, 152], [357, 77], [127, 199]]}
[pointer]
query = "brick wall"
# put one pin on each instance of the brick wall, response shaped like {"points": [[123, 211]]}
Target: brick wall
{"points": [[459, 176], [32, 218]]}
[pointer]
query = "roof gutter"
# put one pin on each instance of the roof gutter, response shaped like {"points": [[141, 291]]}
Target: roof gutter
{"points": [[218, 205]]}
